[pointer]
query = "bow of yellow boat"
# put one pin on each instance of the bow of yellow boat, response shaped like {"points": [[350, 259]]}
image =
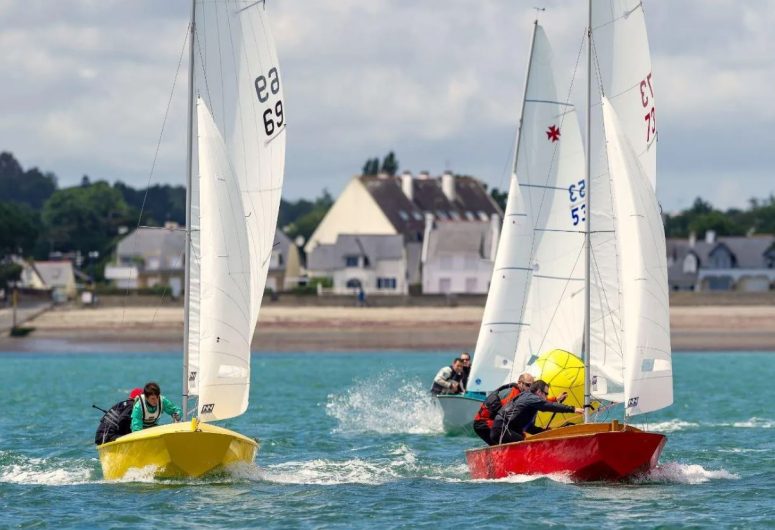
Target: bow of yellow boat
{"points": [[176, 450]]}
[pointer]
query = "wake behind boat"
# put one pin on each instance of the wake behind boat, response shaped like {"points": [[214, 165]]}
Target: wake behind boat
{"points": [[236, 148], [622, 322]]}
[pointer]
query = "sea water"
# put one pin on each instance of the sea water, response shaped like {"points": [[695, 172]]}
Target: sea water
{"points": [[352, 441]]}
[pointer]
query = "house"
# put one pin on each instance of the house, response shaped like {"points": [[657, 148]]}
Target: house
{"points": [[150, 257], [374, 263], [398, 206], [458, 257], [739, 263], [284, 264], [58, 276]]}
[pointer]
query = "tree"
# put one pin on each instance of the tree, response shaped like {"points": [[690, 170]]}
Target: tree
{"points": [[84, 218], [19, 228], [371, 167], [28, 187], [499, 197], [390, 164]]}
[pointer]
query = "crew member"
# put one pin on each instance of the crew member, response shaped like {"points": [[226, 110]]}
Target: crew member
{"points": [[117, 421], [483, 421], [447, 380], [513, 420], [149, 406]]}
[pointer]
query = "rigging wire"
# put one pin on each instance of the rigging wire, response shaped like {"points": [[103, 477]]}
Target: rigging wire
{"points": [[153, 167]]}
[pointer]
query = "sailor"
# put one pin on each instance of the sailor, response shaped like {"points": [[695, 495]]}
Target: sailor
{"points": [[518, 417], [483, 421], [117, 421], [465, 357], [447, 380], [149, 406]]}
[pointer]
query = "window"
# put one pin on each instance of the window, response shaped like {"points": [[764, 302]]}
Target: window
{"points": [[386, 283], [690, 264], [417, 216], [483, 216], [351, 261], [403, 215], [446, 263], [455, 215], [445, 285], [470, 285], [469, 215]]}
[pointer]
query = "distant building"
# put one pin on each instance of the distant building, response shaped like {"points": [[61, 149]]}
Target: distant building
{"points": [[736, 263], [458, 258], [374, 263], [58, 276], [150, 257], [397, 206], [284, 265], [153, 257]]}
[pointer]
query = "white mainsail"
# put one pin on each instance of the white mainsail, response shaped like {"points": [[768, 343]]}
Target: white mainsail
{"points": [[645, 298], [237, 77], [542, 236]]}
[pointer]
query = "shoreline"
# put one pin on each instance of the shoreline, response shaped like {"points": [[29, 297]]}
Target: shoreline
{"points": [[322, 329]]}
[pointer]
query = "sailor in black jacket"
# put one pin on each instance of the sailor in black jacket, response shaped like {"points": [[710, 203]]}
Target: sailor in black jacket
{"points": [[519, 416]]}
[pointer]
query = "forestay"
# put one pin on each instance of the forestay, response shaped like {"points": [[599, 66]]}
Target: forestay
{"points": [[236, 75], [645, 299]]}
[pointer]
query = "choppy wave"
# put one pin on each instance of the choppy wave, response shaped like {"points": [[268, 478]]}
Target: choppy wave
{"points": [[752, 423], [667, 426], [674, 472], [17, 469], [387, 404], [398, 463]]}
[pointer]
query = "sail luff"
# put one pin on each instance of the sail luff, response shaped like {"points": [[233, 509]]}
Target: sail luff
{"points": [[492, 362]]}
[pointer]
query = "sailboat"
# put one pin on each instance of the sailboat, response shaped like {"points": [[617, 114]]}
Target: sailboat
{"points": [[622, 324], [542, 161], [236, 148]]}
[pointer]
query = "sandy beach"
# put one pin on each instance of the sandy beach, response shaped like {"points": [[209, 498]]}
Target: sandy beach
{"points": [[352, 329]]}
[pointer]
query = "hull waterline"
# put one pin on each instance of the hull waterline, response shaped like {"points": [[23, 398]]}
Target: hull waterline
{"points": [[176, 451], [588, 452], [459, 411]]}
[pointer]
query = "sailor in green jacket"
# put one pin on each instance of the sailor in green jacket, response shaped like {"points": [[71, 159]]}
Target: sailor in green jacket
{"points": [[149, 406]]}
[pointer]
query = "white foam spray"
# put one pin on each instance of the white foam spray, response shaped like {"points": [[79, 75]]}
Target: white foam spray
{"points": [[387, 404]]}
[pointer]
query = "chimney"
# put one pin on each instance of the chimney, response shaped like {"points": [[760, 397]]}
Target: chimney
{"points": [[495, 227], [427, 236], [448, 185], [692, 239], [710, 237], [407, 184]]}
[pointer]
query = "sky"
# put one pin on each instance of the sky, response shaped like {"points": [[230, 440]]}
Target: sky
{"points": [[86, 84]]}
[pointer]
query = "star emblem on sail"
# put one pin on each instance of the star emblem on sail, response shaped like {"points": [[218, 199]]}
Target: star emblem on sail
{"points": [[553, 133]]}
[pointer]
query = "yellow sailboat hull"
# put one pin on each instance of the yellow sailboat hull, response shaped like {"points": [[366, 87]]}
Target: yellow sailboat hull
{"points": [[176, 451]]}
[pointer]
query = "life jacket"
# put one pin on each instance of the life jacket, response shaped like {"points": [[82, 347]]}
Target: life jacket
{"points": [[150, 418], [438, 389], [117, 421], [493, 403]]}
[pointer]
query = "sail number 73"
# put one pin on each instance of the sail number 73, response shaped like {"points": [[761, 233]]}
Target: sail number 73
{"points": [[646, 99], [266, 86]]}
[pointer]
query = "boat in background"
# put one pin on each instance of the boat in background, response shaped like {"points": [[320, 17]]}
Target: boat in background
{"points": [[625, 325], [231, 212]]}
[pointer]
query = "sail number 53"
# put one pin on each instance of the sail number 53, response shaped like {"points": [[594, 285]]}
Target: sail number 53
{"points": [[273, 114], [576, 192]]}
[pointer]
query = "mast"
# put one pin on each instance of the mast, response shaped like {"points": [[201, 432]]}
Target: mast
{"points": [[189, 182], [587, 235]]}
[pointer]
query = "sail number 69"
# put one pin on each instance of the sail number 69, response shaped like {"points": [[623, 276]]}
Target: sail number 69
{"points": [[273, 115]]}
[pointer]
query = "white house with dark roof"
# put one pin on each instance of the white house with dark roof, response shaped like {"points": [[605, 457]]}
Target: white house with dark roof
{"points": [[375, 263], [59, 276], [398, 206], [736, 263], [458, 258]]}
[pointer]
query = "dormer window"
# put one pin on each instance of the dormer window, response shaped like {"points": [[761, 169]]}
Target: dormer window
{"points": [[351, 261]]}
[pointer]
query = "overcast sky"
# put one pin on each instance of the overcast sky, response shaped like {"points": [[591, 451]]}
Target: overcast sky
{"points": [[86, 82]]}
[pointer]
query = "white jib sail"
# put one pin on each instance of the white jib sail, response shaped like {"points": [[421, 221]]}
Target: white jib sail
{"points": [[648, 382], [225, 328], [238, 77], [550, 169]]}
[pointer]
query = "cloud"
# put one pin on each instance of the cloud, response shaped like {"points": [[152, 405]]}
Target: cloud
{"points": [[439, 81]]}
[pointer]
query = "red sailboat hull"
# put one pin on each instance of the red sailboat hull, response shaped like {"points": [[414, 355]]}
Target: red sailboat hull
{"points": [[596, 451]]}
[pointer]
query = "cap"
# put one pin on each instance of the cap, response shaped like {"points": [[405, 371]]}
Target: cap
{"points": [[135, 393]]}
